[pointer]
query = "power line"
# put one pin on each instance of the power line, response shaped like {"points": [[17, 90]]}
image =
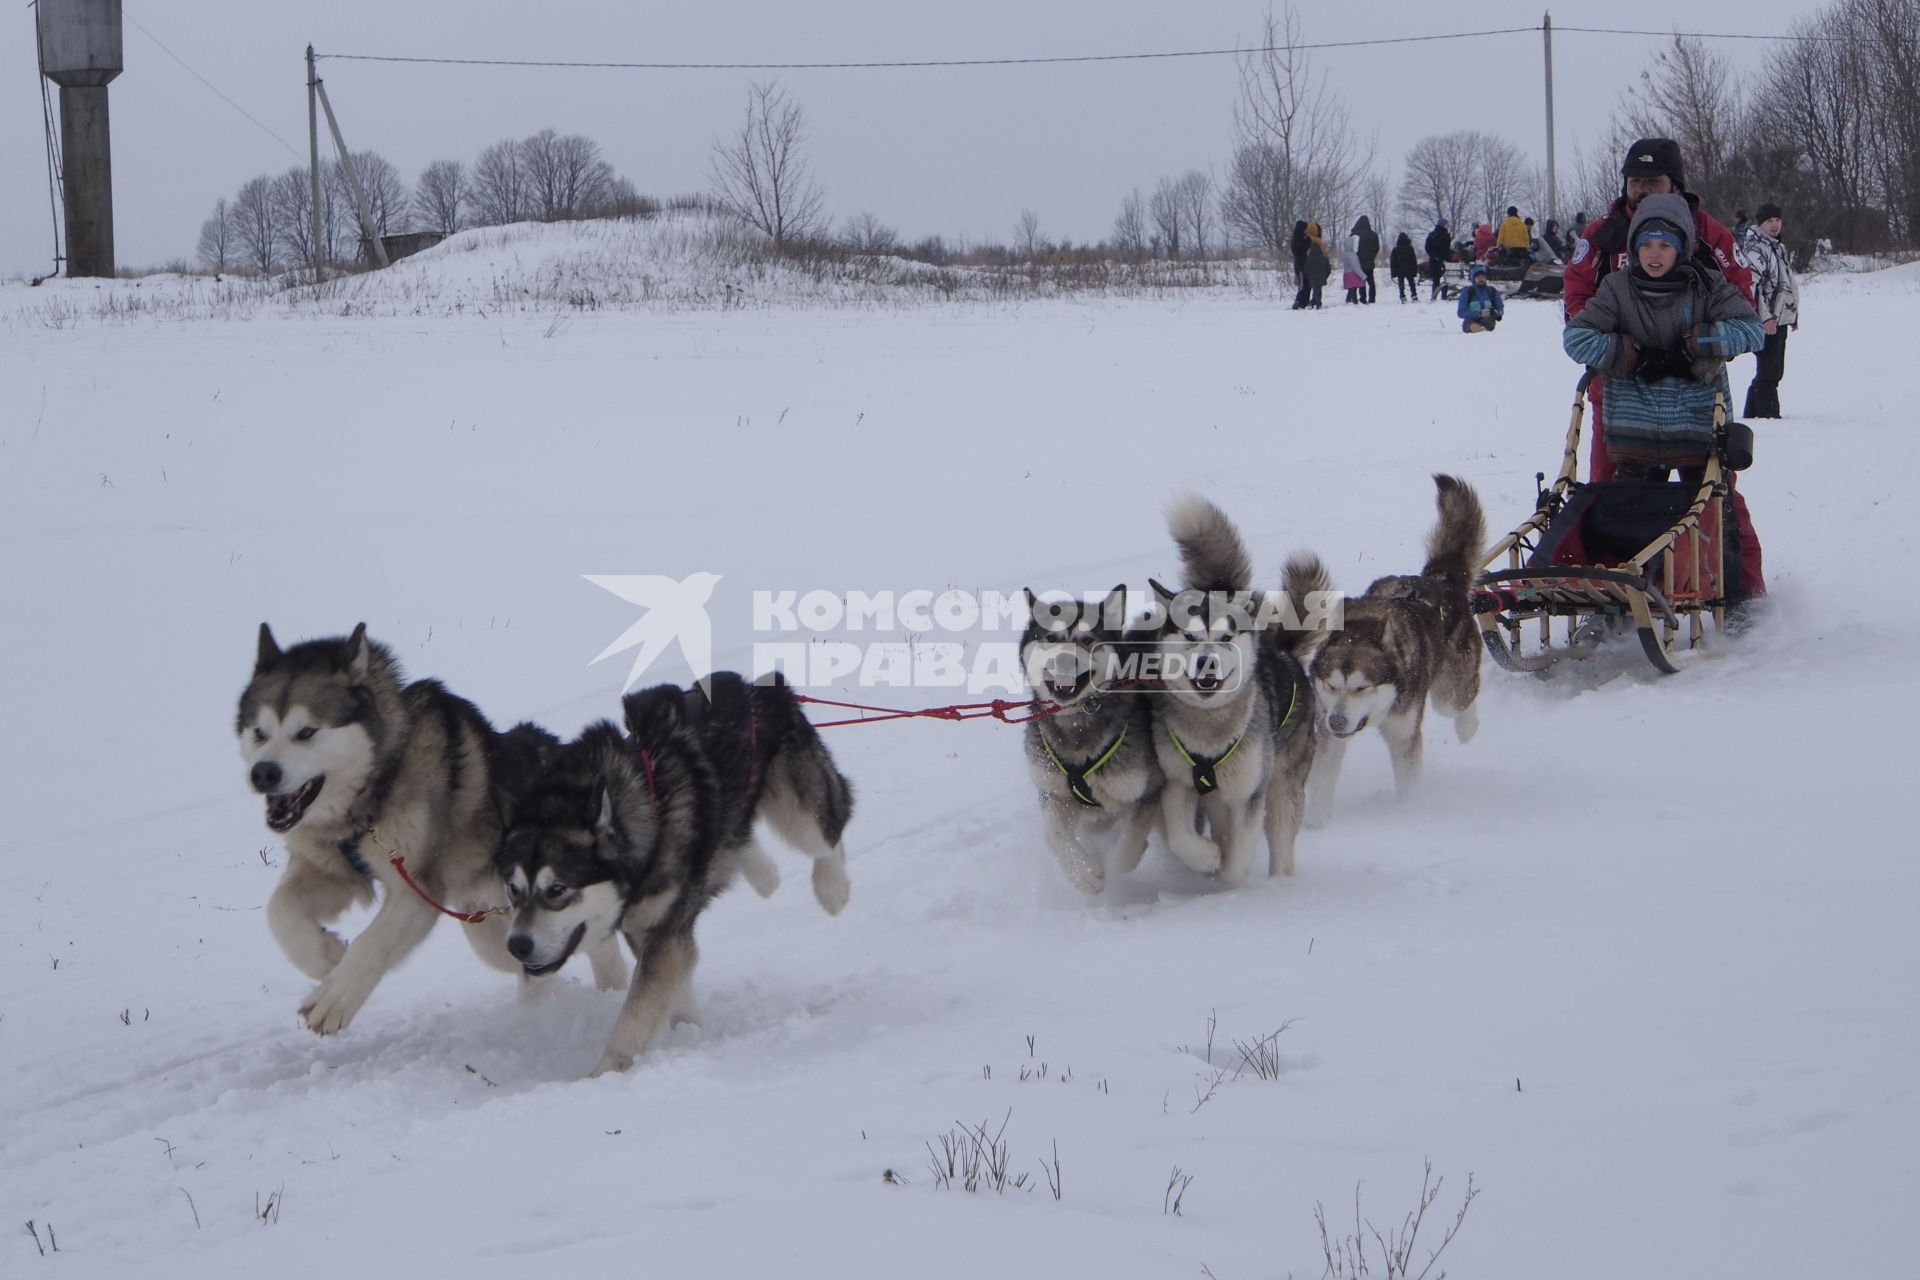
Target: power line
{"points": [[919, 63], [1703, 35], [923, 62], [203, 80]]}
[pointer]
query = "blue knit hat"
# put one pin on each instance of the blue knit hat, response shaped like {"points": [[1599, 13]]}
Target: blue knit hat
{"points": [[1479, 271], [1658, 229]]}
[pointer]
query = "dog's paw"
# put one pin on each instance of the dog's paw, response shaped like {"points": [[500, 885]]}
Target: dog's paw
{"points": [[759, 870], [830, 883], [1197, 852], [611, 1063], [332, 1005]]}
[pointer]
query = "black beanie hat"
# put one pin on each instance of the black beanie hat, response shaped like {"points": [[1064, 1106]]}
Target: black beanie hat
{"points": [[1653, 157], [1767, 210]]}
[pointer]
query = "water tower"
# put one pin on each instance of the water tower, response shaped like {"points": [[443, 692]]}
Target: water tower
{"points": [[80, 52]]}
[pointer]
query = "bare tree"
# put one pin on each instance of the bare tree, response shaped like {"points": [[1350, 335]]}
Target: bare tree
{"points": [[1163, 214], [1028, 243], [217, 238], [865, 233], [565, 175], [1689, 94], [439, 202], [256, 224], [1500, 170], [292, 196], [1296, 153], [1193, 201], [1438, 180], [625, 201], [386, 192], [500, 191], [1130, 227], [760, 172]]}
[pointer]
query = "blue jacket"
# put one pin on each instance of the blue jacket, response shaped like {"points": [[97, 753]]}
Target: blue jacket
{"points": [[1477, 300]]}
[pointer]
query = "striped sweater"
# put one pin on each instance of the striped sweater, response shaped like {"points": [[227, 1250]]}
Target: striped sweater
{"points": [[1661, 421]]}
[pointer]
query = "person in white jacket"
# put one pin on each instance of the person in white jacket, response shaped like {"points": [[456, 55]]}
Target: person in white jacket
{"points": [[1776, 297]]}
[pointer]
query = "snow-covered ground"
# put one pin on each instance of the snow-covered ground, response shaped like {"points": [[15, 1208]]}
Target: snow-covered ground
{"points": [[1639, 960]]}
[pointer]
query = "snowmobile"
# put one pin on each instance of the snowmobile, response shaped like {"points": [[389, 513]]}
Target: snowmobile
{"points": [[1600, 557], [1538, 274]]}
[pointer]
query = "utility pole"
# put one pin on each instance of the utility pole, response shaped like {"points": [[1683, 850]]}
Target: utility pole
{"points": [[313, 163], [1553, 194]]}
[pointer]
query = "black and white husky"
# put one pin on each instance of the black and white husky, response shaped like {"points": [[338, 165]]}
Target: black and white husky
{"points": [[1234, 731], [1092, 760], [359, 768], [632, 834]]}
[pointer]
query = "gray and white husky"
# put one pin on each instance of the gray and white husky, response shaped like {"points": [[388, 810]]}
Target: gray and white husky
{"points": [[358, 768], [632, 834], [1408, 640], [1234, 730], [1092, 761]]}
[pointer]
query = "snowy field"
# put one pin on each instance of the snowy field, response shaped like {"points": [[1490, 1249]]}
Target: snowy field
{"points": [[1640, 960]]}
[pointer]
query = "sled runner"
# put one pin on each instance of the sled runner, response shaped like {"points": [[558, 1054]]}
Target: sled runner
{"points": [[1649, 554]]}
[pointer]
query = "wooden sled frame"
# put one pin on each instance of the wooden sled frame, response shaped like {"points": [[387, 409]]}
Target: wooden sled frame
{"points": [[1594, 599]]}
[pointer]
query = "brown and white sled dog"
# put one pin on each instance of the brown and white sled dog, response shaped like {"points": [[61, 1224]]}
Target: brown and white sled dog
{"points": [[633, 834], [1408, 640], [1093, 760], [1234, 729], [356, 768]]}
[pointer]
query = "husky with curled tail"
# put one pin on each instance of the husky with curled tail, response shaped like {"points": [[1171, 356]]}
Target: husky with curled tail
{"points": [[1234, 729], [1409, 640]]}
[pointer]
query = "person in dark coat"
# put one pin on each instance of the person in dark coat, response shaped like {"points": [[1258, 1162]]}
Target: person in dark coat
{"points": [[1404, 264], [1319, 266], [1439, 253], [1299, 247], [1368, 249]]}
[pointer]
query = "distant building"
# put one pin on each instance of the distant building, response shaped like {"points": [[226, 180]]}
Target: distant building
{"points": [[403, 245]]}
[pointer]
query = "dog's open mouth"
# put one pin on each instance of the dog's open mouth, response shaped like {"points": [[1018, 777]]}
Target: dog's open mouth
{"points": [[1207, 682], [1064, 691], [1348, 733], [579, 932], [285, 810]]}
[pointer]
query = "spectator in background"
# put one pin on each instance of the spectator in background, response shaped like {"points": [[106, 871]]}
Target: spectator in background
{"points": [[1299, 247], [1404, 264], [1483, 241], [1367, 246], [1319, 267], [1439, 253], [1514, 239], [1776, 297], [1481, 307]]}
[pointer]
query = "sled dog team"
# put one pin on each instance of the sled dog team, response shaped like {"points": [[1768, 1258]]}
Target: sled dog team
{"points": [[547, 848]]}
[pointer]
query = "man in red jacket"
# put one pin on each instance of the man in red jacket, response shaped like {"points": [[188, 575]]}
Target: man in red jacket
{"points": [[1653, 167]]}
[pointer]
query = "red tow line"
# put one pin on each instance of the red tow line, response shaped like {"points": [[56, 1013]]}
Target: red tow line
{"points": [[1000, 709]]}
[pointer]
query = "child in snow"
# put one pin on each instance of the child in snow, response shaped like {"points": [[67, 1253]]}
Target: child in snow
{"points": [[1662, 332], [1404, 264], [1481, 307]]}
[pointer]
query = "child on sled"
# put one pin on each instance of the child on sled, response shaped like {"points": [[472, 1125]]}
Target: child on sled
{"points": [[1662, 332]]}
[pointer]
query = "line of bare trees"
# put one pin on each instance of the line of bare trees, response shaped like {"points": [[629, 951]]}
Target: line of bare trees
{"points": [[1828, 127], [549, 177]]}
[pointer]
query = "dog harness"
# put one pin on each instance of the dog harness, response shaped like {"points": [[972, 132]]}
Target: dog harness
{"points": [[1080, 779], [1205, 768]]}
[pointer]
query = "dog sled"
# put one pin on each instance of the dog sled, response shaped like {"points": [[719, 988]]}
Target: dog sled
{"points": [[1594, 559]]}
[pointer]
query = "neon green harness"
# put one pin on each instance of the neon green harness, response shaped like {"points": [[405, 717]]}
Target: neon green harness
{"points": [[1205, 768], [1080, 780]]}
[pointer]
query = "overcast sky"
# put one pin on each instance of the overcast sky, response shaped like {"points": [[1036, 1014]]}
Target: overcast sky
{"points": [[958, 151]]}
